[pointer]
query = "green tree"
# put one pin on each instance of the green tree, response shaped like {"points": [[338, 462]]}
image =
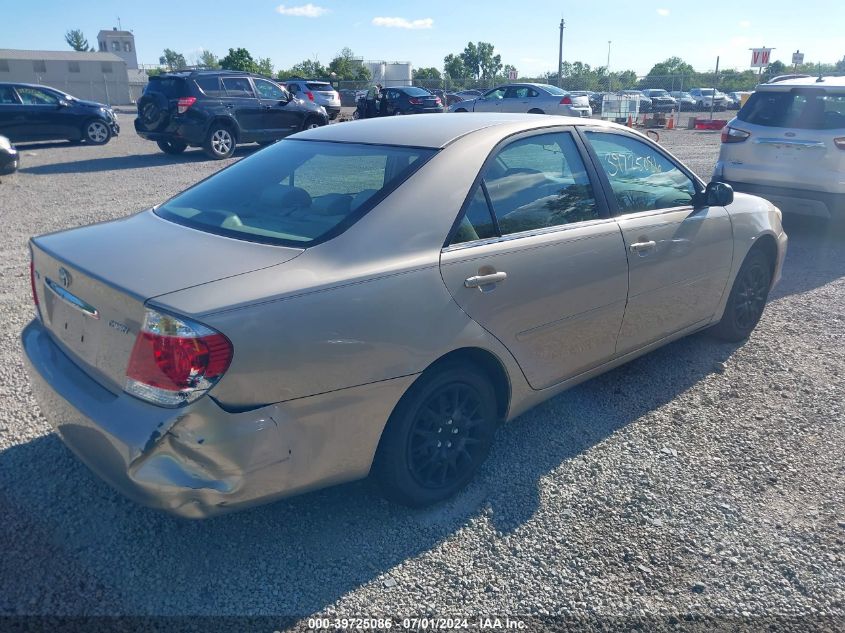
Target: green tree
{"points": [[347, 67], [471, 61], [671, 66], [307, 68], [265, 66], [774, 69], [454, 67], [173, 60], [239, 59], [76, 40], [427, 74], [840, 66], [489, 64], [207, 59]]}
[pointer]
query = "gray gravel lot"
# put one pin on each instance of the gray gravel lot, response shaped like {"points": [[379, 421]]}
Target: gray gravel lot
{"points": [[705, 478]]}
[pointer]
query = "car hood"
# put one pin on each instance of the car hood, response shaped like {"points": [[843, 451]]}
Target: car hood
{"points": [[145, 256], [89, 104]]}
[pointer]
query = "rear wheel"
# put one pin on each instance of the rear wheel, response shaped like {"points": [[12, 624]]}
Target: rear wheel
{"points": [[437, 437], [747, 299], [535, 111], [220, 142], [460, 110], [96, 132], [172, 147]]}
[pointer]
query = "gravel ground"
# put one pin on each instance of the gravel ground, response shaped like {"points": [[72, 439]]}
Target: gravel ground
{"points": [[703, 480]]}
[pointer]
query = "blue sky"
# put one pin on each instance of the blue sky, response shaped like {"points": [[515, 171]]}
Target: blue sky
{"points": [[524, 33]]}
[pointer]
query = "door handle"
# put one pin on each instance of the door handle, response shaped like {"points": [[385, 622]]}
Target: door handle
{"points": [[483, 280], [642, 247]]}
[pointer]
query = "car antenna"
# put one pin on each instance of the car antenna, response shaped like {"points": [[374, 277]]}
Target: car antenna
{"points": [[820, 79]]}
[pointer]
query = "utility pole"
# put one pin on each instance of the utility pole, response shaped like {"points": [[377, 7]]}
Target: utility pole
{"points": [[607, 68], [560, 56]]}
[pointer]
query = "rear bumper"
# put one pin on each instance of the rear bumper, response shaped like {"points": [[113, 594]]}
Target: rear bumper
{"points": [[185, 130], [794, 201], [200, 460]]}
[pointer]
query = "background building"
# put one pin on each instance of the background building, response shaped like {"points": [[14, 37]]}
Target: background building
{"points": [[121, 43], [95, 76]]}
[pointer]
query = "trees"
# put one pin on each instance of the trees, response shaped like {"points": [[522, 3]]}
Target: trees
{"points": [[489, 64], [454, 68], [173, 60], [671, 66], [76, 40], [207, 59], [265, 66], [312, 69], [427, 74], [239, 59], [347, 67]]}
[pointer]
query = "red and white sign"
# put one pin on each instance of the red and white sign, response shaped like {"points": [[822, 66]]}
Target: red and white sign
{"points": [[513, 75], [760, 57]]}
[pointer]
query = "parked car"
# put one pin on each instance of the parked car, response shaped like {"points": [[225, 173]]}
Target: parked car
{"points": [[661, 101], [320, 92], [645, 102], [596, 99], [217, 109], [345, 325], [736, 99], [348, 97], [787, 144], [705, 97], [9, 157], [685, 100], [525, 97], [409, 100], [31, 112], [470, 93]]}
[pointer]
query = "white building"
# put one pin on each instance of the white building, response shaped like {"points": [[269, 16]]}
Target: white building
{"points": [[391, 73], [96, 76]]}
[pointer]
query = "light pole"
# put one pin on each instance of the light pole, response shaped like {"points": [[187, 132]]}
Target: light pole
{"points": [[560, 57], [607, 68]]}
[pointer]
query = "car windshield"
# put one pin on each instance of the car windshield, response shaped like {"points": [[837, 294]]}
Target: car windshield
{"points": [[706, 91], [553, 90], [802, 109], [416, 92], [295, 193], [657, 93]]}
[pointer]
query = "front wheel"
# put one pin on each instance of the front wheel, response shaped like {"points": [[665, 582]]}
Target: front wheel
{"points": [[96, 132], [747, 299], [437, 437], [172, 147], [220, 142]]}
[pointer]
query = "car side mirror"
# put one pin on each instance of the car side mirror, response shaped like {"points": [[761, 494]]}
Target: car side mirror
{"points": [[717, 194], [63, 103]]}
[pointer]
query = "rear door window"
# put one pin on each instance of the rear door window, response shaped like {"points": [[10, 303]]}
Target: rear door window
{"points": [[801, 109], [210, 86], [237, 87]]}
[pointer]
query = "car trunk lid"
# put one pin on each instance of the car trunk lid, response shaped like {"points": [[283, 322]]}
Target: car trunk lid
{"points": [[92, 282]]}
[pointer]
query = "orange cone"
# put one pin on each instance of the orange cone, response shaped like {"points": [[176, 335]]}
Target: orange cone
{"points": [[670, 124], [630, 121]]}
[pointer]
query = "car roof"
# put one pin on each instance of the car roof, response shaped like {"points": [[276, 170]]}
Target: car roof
{"points": [[422, 130], [805, 82]]}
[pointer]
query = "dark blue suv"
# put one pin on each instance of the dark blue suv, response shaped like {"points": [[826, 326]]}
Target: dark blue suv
{"points": [[29, 112], [218, 109]]}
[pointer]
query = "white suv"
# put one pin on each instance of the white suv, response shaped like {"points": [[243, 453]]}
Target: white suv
{"points": [[787, 144]]}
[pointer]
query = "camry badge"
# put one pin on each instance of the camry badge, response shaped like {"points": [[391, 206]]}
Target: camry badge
{"points": [[64, 277]]}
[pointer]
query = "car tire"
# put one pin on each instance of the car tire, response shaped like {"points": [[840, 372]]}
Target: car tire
{"points": [[96, 132], [356, 115], [699, 106], [397, 112], [535, 111], [460, 110], [437, 436], [172, 147], [747, 299], [220, 142]]}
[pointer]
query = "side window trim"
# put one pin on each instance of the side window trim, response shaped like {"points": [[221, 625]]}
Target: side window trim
{"points": [[603, 209], [604, 181]]}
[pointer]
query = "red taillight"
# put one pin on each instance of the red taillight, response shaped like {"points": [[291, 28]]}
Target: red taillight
{"points": [[733, 135], [567, 100], [184, 103], [437, 101], [32, 282], [175, 361], [415, 101], [310, 96], [839, 142]]}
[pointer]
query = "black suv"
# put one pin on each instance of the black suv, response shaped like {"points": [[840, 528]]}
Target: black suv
{"points": [[217, 109]]}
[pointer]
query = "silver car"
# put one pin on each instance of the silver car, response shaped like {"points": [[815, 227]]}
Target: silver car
{"points": [[530, 98], [311, 314], [320, 92]]}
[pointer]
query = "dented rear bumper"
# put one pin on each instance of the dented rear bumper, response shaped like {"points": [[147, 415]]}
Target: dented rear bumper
{"points": [[200, 460]]}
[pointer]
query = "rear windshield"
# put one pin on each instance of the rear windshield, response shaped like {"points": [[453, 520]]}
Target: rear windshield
{"points": [[320, 87], [802, 109], [553, 90], [413, 91], [170, 87], [295, 193]]}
